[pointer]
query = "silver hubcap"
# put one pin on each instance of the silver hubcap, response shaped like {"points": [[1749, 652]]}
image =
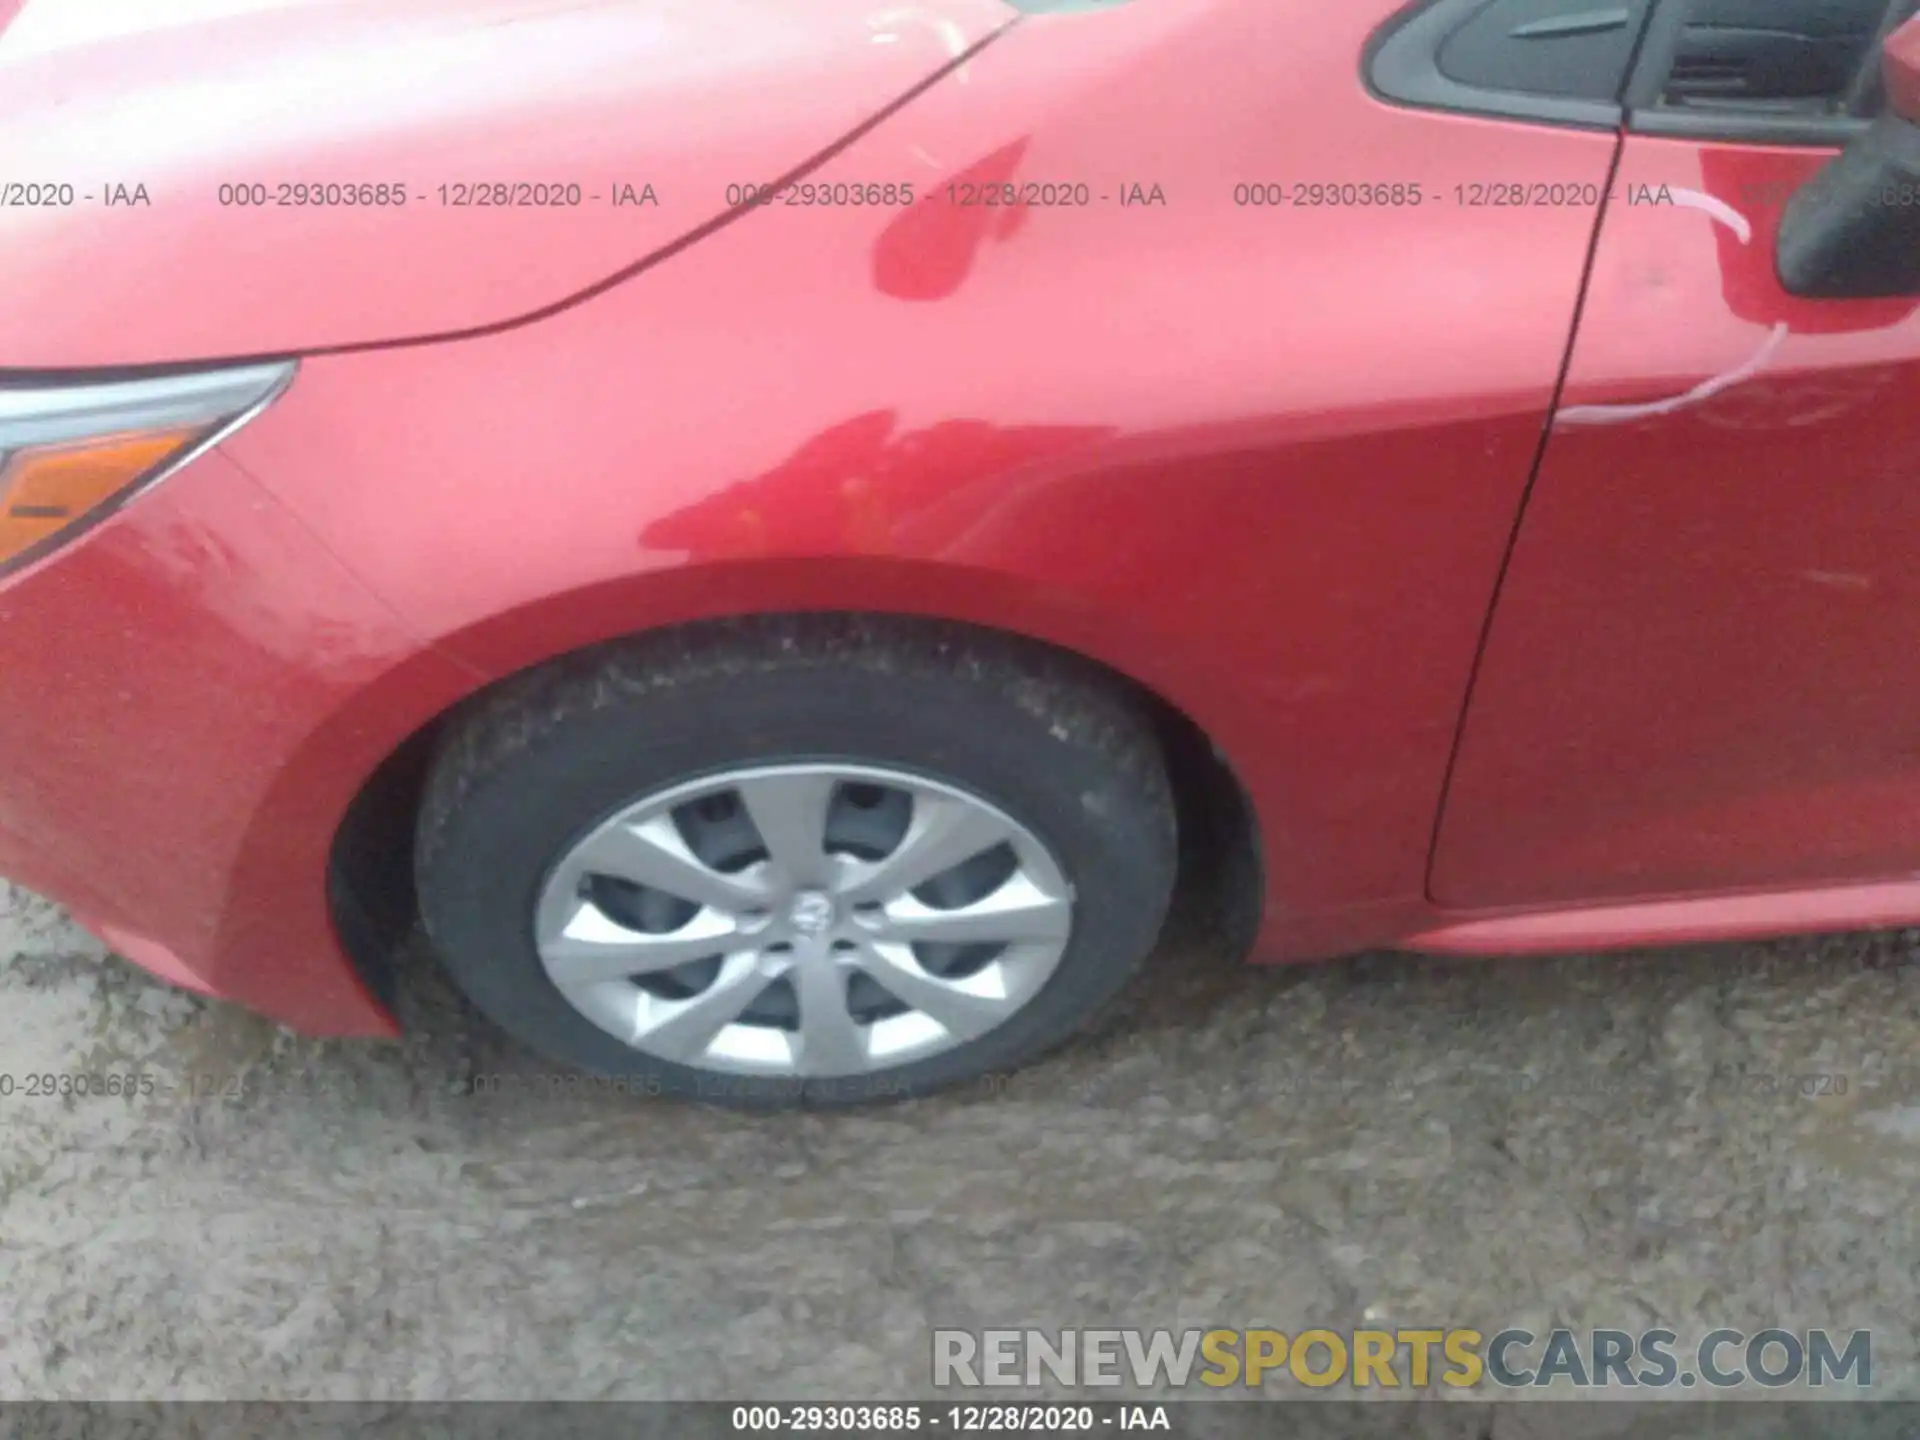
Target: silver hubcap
{"points": [[808, 920]]}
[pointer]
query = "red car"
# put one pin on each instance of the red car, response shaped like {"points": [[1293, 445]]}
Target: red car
{"points": [[786, 533]]}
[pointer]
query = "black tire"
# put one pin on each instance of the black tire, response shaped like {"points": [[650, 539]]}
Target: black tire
{"points": [[533, 764]]}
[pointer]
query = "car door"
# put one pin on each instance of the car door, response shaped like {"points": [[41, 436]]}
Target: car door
{"points": [[1700, 674]]}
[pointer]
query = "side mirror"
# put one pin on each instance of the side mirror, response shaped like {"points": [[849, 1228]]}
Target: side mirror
{"points": [[1852, 232]]}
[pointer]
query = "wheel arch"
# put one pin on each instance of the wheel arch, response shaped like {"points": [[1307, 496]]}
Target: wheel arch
{"points": [[1221, 882]]}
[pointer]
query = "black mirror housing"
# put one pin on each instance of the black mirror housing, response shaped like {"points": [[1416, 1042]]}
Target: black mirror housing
{"points": [[1852, 232]]}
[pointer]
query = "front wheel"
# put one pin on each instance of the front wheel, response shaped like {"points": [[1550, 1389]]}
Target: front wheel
{"points": [[784, 862]]}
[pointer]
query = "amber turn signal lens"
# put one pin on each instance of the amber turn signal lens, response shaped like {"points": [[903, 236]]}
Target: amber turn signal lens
{"points": [[71, 452], [43, 491]]}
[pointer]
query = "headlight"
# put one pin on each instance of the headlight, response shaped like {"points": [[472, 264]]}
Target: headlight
{"points": [[70, 455]]}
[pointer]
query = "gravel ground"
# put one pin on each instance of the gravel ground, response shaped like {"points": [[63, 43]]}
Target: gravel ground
{"points": [[1586, 1141]]}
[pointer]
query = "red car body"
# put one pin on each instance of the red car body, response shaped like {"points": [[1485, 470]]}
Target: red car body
{"points": [[1540, 572]]}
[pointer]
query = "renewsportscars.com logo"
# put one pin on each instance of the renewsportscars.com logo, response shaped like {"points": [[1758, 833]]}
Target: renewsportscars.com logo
{"points": [[1405, 1358]]}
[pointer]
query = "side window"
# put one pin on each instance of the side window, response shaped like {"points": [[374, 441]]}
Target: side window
{"points": [[1549, 60], [1763, 71]]}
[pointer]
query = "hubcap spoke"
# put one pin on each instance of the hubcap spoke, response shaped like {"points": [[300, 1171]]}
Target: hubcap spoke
{"points": [[653, 854], [683, 1029], [943, 833], [593, 948], [790, 812], [1018, 910], [830, 1039], [830, 928], [963, 1009]]}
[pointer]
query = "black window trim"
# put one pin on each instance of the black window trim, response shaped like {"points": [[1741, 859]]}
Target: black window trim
{"points": [[1823, 131]]}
